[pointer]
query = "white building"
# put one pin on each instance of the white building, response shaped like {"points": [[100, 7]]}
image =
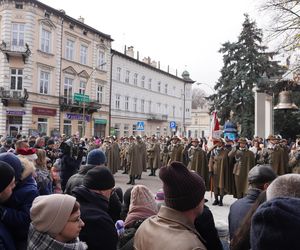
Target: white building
{"points": [[201, 122], [143, 94]]}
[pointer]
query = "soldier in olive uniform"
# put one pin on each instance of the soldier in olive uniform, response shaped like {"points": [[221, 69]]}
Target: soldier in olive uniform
{"points": [[175, 149], [154, 155]]}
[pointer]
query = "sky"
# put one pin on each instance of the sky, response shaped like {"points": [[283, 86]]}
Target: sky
{"points": [[186, 35]]}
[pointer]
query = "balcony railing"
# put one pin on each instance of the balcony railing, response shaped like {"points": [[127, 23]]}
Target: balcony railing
{"points": [[13, 97], [157, 117], [69, 104], [15, 51]]}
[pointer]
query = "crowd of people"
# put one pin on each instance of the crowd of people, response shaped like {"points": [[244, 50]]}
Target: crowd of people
{"points": [[60, 193]]}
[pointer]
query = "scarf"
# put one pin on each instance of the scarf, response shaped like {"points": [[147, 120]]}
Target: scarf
{"points": [[138, 213], [40, 241]]}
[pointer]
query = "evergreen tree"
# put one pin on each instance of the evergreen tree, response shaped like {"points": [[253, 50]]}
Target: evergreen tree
{"points": [[245, 62]]}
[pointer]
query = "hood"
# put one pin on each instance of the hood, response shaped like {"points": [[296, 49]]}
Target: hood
{"points": [[28, 167]]}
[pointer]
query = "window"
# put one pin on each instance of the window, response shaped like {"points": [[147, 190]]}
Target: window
{"points": [[142, 106], [135, 79], [99, 94], [149, 107], [16, 79], [166, 88], [135, 105], [173, 111], [46, 41], [196, 121], [127, 75], [149, 83], [82, 86], [83, 54], [67, 127], [44, 82], [117, 129], [118, 74], [126, 129], [134, 129], [158, 108], [126, 103], [18, 31], [70, 49], [118, 101], [42, 125], [19, 6], [158, 86], [68, 89], [166, 109], [143, 82], [174, 90], [80, 128], [101, 60]]}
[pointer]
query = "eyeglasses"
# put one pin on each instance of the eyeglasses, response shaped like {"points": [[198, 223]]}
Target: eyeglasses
{"points": [[78, 220]]}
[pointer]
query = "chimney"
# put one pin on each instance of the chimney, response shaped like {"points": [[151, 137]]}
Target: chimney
{"points": [[81, 19], [154, 64], [145, 60], [130, 51]]}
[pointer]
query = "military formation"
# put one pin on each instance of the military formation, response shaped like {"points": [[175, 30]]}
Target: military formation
{"points": [[224, 166]]}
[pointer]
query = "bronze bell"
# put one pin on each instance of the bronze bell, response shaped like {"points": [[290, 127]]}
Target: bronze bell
{"points": [[285, 101]]}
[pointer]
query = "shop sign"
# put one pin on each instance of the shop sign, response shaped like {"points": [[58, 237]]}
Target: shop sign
{"points": [[78, 117], [15, 112], [101, 121], [43, 111]]}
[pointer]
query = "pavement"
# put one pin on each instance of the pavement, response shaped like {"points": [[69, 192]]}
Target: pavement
{"points": [[154, 184]]}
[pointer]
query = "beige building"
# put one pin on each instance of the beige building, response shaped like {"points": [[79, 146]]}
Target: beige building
{"points": [[54, 72]]}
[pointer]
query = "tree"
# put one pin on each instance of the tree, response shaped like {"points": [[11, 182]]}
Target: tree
{"points": [[245, 63], [198, 98]]}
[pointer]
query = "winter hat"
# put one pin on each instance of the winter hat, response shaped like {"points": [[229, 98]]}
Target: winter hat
{"points": [[50, 213], [183, 189], [96, 157], [29, 153], [160, 196], [14, 162], [141, 196], [28, 167], [276, 225], [7, 174], [261, 174], [99, 178], [50, 142]]}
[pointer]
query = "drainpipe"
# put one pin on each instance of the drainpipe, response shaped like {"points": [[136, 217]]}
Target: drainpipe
{"points": [[60, 73], [110, 90]]}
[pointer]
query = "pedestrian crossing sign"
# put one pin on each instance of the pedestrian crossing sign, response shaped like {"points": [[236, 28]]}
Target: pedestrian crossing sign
{"points": [[140, 126]]}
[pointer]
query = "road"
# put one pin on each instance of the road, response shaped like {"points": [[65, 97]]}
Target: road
{"points": [[154, 183]]}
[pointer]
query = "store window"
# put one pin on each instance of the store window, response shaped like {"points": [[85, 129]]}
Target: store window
{"points": [[43, 125], [67, 127]]}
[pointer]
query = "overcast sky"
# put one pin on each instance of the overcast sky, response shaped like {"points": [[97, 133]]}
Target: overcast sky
{"points": [[186, 35]]}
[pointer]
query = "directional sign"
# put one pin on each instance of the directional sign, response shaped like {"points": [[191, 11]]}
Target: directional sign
{"points": [[172, 124], [140, 126], [81, 98]]}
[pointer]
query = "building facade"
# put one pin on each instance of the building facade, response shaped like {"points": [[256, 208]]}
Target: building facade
{"points": [[54, 72], [146, 99], [201, 122]]}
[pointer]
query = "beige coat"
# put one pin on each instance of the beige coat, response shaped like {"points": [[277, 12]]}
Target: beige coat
{"points": [[154, 155], [168, 230], [137, 158], [276, 158]]}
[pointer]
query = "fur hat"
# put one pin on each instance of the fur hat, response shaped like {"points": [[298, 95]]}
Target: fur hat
{"points": [[183, 189], [99, 178], [96, 157], [7, 174], [50, 213], [276, 225], [29, 153], [28, 167]]}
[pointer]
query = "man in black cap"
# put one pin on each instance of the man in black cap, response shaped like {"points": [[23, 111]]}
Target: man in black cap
{"points": [[259, 178], [99, 231], [184, 198]]}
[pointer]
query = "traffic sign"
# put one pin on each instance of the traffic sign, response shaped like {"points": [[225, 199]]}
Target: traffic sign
{"points": [[172, 124], [140, 126], [81, 98]]}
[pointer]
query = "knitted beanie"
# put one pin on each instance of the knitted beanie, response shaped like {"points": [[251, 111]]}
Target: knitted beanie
{"points": [[96, 157], [141, 196], [50, 213], [14, 162], [276, 225], [183, 189], [7, 174], [99, 178]]}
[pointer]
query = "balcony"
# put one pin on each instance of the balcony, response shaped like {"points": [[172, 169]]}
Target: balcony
{"points": [[13, 97], [157, 117], [68, 104], [15, 51]]}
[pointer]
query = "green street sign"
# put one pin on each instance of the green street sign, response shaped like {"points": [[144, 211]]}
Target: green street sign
{"points": [[81, 98]]}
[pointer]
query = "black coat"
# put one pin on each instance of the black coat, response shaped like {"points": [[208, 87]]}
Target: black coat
{"points": [[205, 226], [239, 209], [69, 167], [99, 231]]}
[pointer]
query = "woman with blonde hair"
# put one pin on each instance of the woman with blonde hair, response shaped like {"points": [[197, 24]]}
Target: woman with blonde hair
{"points": [[42, 174]]}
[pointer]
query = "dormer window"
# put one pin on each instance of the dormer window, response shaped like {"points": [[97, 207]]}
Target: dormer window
{"points": [[85, 32], [47, 14], [19, 6], [71, 26]]}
